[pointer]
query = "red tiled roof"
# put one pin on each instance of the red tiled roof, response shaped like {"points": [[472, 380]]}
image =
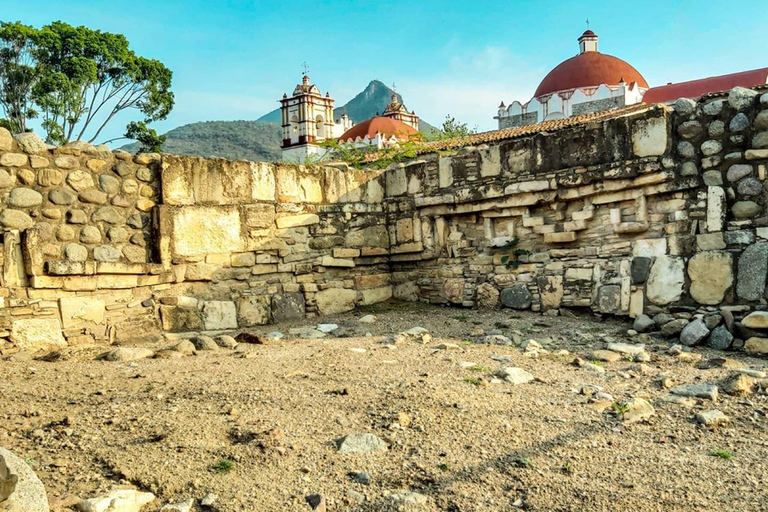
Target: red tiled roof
{"points": [[383, 125], [588, 69], [696, 88]]}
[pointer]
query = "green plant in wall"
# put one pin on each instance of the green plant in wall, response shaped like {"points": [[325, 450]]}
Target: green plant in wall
{"points": [[512, 258]]}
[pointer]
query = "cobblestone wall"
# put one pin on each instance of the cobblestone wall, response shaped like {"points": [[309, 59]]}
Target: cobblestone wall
{"points": [[635, 212]]}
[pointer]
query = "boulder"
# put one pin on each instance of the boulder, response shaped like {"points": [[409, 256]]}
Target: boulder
{"points": [[644, 323], [121, 500], [20, 487], [516, 297], [720, 338], [694, 333], [674, 327], [637, 409], [756, 345], [515, 375], [756, 320], [487, 296], [37, 334], [741, 98]]}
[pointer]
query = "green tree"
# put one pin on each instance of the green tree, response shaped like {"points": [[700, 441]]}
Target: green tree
{"points": [[150, 141], [89, 76], [452, 129], [18, 74]]}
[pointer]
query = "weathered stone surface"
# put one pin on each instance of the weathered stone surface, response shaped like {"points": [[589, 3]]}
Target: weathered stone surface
{"points": [[709, 391], [76, 310], [75, 252], [649, 137], [685, 106], [756, 345], [738, 171], [335, 300], [609, 298], [37, 334], [6, 179], [487, 296], [219, 315], [550, 291], [109, 184], [361, 443], [740, 98], [674, 327], [28, 492], [135, 253], [6, 140], [123, 500], [690, 129], [639, 269], [108, 214], [711, 275], [665, 280], [745, 209], [644, 323], [180, 319], [711, 418], [517, 297], [739, 123], [106, 253], [637, 409], [760, 141], [13, 159], [752, 270], [90, 235], [253, 310], [287, 306], [515, 376], [306, 219], [80, 180], [750, 187], [375, 236], [711, 147], [25, 198], [62, 196], [694, 333], [15, 219], [77, 217], [720, 338], [756, 320], [206, 230]]}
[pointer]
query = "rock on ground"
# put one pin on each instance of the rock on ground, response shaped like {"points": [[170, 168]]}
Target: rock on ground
{"points": [[637, 410], [709, 391], [361, 443], [122, 500], [184, 506], [125, 354], [694, 333], [712, 418], [28, 493], [515, 375]]}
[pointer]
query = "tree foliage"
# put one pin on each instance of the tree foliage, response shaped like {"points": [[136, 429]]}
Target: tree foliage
{"points": [[83, 78], [18, 74], [453, 129]]}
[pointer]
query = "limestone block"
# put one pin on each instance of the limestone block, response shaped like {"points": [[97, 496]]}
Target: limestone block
{"points": [[404, 229], [287, 182], [756, 154], [397, 183], [374, 192], [375, 295], [343, 252], [710, 241], [551, 291], [711, 275], [37, 334], [665, 281], [490, 161], [650, 247], [219, 315], [120, 500], [716, 204], [608, 298], [206, 230], [636, 300], [560, 238], [649, 137], [76, 310], [374, 236], [445, 171], [179, 319], [253, 310], [243, 259], [287, 307], [310, 189], [293, 221], [335, 300], [408, 291], [330, 261]]}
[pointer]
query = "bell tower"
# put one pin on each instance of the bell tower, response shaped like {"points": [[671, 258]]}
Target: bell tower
{"points": [[307, 120]]}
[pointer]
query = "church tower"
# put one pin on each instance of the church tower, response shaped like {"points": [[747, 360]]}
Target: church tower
{"points": [[307, 120], [397, 110]]}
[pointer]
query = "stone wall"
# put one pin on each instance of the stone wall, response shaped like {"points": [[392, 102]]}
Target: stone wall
{"points": [[637, 211], [588, 107], [518, 120], [648, 211]]}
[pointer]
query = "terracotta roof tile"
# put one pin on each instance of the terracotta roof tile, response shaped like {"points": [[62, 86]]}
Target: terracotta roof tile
{"points": [[696, 88]]}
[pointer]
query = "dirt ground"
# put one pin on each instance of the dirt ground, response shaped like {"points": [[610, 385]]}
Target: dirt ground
{"points": [[258, 425]]}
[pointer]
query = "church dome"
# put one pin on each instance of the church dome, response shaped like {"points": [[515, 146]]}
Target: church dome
{"points": [[589, 69], [386, 126]]}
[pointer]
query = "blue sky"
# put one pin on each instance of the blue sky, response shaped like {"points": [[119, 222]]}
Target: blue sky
{"points": [[233, 59]]}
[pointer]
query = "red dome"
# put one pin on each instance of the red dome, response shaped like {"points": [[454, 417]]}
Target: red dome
{"points": [[589, 69], [383, 125]]}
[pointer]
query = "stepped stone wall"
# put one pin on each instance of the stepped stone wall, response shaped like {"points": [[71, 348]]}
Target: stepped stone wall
{"points": [[638, 211]]}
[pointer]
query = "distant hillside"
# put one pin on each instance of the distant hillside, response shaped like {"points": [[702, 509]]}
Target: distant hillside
{"points": [[235, 140], [260, 140]]}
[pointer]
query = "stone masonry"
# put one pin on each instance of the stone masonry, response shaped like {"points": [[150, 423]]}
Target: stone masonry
{"points": [[642, 210]]}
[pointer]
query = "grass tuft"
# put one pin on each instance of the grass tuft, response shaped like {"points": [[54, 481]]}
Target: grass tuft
{"points": [[223, 466], [723, 454]]}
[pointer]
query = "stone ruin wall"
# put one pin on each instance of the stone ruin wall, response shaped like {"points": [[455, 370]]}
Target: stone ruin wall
{"points": [[651, 210]]}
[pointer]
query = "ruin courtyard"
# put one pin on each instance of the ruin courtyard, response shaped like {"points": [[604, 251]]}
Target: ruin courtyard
{"points": [[563, 316]]}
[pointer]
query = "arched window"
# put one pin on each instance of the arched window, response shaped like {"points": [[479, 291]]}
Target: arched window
{"points": [[320, 126], [294, 125]]}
